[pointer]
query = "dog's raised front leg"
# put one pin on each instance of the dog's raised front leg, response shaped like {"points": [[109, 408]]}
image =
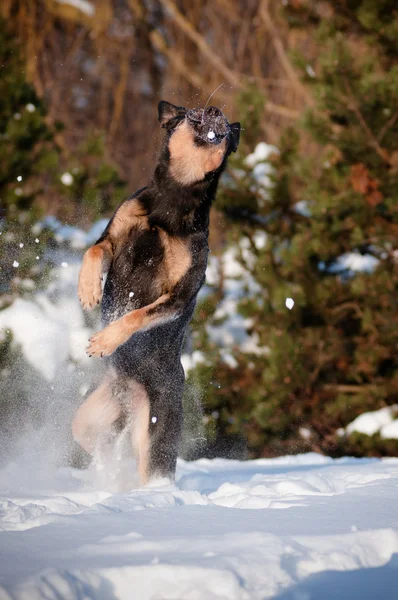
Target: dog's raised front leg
{"points": [[96, 262], [106, 341]]}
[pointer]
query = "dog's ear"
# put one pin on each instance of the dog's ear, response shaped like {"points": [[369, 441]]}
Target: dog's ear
{"points": [[235, 135], [167, 112]]}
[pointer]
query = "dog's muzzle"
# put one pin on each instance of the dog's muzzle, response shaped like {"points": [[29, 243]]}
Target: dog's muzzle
{"points": [[210, 124]]}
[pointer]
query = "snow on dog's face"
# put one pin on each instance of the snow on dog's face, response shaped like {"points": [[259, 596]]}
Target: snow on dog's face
{"points": [[198, 140]]}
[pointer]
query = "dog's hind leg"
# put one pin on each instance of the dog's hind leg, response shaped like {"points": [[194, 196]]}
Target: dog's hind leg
{"points": [[165, 420], [156, 422], [95, 417], [165, 434], [140, 414]]}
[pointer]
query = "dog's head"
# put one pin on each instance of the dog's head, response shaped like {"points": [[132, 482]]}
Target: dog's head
{"points": [[198, 140]]}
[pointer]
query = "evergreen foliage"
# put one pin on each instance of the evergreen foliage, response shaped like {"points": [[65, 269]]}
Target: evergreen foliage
{"points": [[27, 151], [326, 201], [38, 176], [331, 220], [32, 177]]}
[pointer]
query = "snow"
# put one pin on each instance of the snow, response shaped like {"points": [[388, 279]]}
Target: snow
{"points": [[297, 527], [353, 261], [294, 528], [260, 239], [310, 71], [83, 5], [67, 179], [74, 236], [305, 432], [358, 262], [390, 431], [49, 328], [289, 303], [190, 361], [376, 421], [262, 174], [233, 329], [261, 168], [228, 358], [262, 152], [42, 340], [301, 208]]}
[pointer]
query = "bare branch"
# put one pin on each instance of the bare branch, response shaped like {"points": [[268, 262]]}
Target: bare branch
{"points": [[353, 106], [350, 389], [201, 43], [387, 126], [235, 79], [281, 53], [175, 59], [282, 111], [120, 93]]}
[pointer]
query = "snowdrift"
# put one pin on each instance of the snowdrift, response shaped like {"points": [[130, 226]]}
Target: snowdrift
{"points": [[297, 528]]}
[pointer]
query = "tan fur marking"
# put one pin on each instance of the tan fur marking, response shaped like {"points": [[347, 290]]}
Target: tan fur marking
{"points": [[190, 163], [111, 337], [129, 215], [140, 429], [177, 258], [95, 416], [96, 261]]}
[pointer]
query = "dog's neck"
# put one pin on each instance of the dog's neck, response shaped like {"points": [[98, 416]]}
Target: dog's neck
{"points": [[179, 209]]}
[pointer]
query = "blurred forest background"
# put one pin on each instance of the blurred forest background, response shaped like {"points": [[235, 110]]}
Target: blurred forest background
{"points": [[294, 343]]}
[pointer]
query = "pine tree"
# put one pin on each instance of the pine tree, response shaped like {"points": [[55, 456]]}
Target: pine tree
{"points": [[331, 221], [27, 151], [38, 175], [35, 175]]}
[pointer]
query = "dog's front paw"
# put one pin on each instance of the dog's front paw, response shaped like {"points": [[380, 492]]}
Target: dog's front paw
{"points": [[89, 288], [89, 292], [105, 342]]}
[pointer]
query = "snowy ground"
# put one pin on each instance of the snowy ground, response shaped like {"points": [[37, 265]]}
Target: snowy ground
{"points": [[293, 528], [301, 528]]}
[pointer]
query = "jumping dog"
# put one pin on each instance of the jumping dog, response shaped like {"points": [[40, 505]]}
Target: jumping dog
{"points": [[154, 252]]}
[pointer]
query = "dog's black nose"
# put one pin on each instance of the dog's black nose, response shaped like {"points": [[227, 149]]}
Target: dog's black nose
{"points": [[212, 111]]}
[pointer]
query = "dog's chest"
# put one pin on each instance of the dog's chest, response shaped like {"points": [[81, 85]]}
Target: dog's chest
{"points": [[177, 258], [162, 260], [141, 253]]}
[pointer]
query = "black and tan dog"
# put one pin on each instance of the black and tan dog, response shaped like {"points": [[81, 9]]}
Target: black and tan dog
{"points": [[154, 251]]}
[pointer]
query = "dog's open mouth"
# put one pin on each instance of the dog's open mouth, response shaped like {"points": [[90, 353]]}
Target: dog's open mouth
{"points": [[210, 125]]}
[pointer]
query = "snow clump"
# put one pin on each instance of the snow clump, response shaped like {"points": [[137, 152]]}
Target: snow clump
{"points": [[67, 179]]}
